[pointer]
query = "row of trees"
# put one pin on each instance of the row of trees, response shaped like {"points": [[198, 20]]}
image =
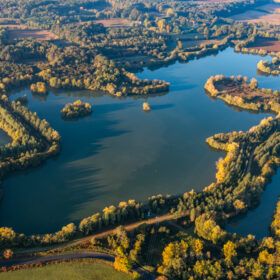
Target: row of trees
{"points": [[126, 211], [32, 138]]}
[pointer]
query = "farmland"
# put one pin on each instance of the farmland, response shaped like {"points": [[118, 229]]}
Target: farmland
{"points": [[269, 14], [67, 271], [269, 45], [22, 32]]}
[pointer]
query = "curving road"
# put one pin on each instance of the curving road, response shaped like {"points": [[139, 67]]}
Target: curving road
{"points": [[68, 257], [25, 257]]}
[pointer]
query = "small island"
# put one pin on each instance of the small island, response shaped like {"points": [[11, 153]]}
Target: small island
{"points": [[39, 87], [146, 107], [76, 109], [270, 68], [240, 92]]}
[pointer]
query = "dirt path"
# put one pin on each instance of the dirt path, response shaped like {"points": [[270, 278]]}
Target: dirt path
{"points": [[129, 227]]}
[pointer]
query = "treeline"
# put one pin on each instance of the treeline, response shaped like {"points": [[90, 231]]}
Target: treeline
{"points": [[33, 140], [275, 225], [14, 75], [101, 74], [111, 216]]}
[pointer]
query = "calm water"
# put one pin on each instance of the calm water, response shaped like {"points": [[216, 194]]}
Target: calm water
{"points": [[257, 221], [4, 138], [121, 152]]}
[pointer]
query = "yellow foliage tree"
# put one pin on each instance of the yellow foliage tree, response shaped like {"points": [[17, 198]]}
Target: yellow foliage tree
{"points": [[122, 263], [229, 251]]}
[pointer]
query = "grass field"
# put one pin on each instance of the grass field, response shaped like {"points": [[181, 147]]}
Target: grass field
{"points": [[21, 32], [269, 13], [67, 271], [115, 22], [266, 44]]}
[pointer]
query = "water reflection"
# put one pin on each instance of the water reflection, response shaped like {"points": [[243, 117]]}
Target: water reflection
{"points": [[120, 152], [258, 220]]}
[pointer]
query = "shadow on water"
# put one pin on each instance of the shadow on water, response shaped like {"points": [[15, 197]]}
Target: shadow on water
{"points": [[257, 221], [162, 107], [120, 152], [74, 178]]}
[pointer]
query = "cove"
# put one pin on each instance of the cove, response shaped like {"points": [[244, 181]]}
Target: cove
{"points": [[258, 220], [121, 152]]}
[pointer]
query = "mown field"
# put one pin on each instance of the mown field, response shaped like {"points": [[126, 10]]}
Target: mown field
{"points": [[67, 271]]}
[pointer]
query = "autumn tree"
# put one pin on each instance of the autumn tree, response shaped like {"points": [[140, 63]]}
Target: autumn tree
{"points": [[229, 251], [8, 254]]}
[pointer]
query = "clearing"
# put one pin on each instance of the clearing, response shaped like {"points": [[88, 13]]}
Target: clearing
{"points": [[116, 22], [21, 31]]}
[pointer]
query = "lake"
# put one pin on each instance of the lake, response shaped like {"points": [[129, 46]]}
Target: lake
{"points": [[121, 152]]}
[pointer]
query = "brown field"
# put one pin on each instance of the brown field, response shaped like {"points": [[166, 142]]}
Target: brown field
{"points": [[115, 22], [18, 32], [244, 91], [266, 44], [269, 14]]}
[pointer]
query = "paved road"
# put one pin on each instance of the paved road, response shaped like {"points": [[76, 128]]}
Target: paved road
{"points": [[24, 257], [52, 258], [68, 257]]}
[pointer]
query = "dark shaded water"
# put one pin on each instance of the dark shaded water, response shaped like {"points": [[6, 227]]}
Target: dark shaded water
{"points": [[4, 138], [258, 220], [121, 152]]}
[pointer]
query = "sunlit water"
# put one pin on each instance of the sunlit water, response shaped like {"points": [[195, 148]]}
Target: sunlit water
{"points": [[121, 152]]}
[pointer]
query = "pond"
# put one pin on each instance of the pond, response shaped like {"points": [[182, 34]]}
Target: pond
{"points": [[121, 152]]}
